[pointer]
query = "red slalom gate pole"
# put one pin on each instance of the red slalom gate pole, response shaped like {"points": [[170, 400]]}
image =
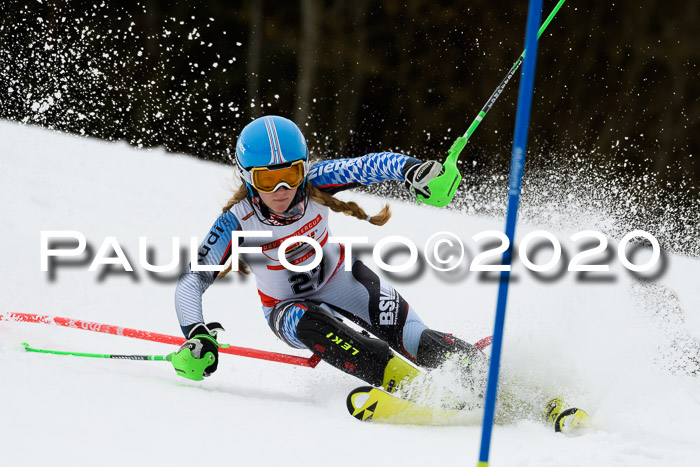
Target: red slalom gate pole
{"points": [[483, 343], [310, 362]]}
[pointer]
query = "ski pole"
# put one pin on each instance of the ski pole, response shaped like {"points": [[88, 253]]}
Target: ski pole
{"points": [[310, 361], [444, 186], [168, 357], [184, 363]]}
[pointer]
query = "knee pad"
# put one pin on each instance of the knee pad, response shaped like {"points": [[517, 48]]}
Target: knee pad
{"points": [[341, 346], [283, 321]]}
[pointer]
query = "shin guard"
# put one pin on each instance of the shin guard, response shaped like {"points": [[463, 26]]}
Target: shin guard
{"points": [[343, 347]]}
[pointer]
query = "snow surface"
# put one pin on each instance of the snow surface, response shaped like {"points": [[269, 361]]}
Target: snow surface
{"points": [[608, 345]]}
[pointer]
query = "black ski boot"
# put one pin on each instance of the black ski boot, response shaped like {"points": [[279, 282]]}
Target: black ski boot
{"points": [[435, 348]]}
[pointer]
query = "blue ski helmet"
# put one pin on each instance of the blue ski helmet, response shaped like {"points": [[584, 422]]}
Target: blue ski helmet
{"points": [[268, 142]]}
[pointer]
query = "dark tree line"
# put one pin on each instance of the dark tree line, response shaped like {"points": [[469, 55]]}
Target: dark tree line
{"points": [[617, 82]]}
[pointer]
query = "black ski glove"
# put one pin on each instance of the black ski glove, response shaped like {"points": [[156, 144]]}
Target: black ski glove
{"points": [[202, 339], [418, 176]]}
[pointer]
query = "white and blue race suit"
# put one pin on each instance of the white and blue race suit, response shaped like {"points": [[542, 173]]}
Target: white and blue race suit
{"points": [[359, 295]]}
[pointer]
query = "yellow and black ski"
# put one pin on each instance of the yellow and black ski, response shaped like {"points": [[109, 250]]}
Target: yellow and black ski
{"points": [[570, 421], [368, 403]]}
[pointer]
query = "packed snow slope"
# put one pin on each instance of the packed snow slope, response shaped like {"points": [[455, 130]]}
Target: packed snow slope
{"points": [[616, 346]]}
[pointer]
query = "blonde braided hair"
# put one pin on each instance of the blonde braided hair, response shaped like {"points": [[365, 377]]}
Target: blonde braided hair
{"points": [[349, 208]]}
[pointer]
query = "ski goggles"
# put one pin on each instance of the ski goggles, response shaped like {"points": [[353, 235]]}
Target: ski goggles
{"points": [[268, 179]]}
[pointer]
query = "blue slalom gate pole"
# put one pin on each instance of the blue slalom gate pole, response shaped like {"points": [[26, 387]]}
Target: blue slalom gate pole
{"points": [[522, 122]]}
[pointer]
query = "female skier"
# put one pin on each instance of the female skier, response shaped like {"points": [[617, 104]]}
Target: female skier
{"points": [[283, 195]]}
